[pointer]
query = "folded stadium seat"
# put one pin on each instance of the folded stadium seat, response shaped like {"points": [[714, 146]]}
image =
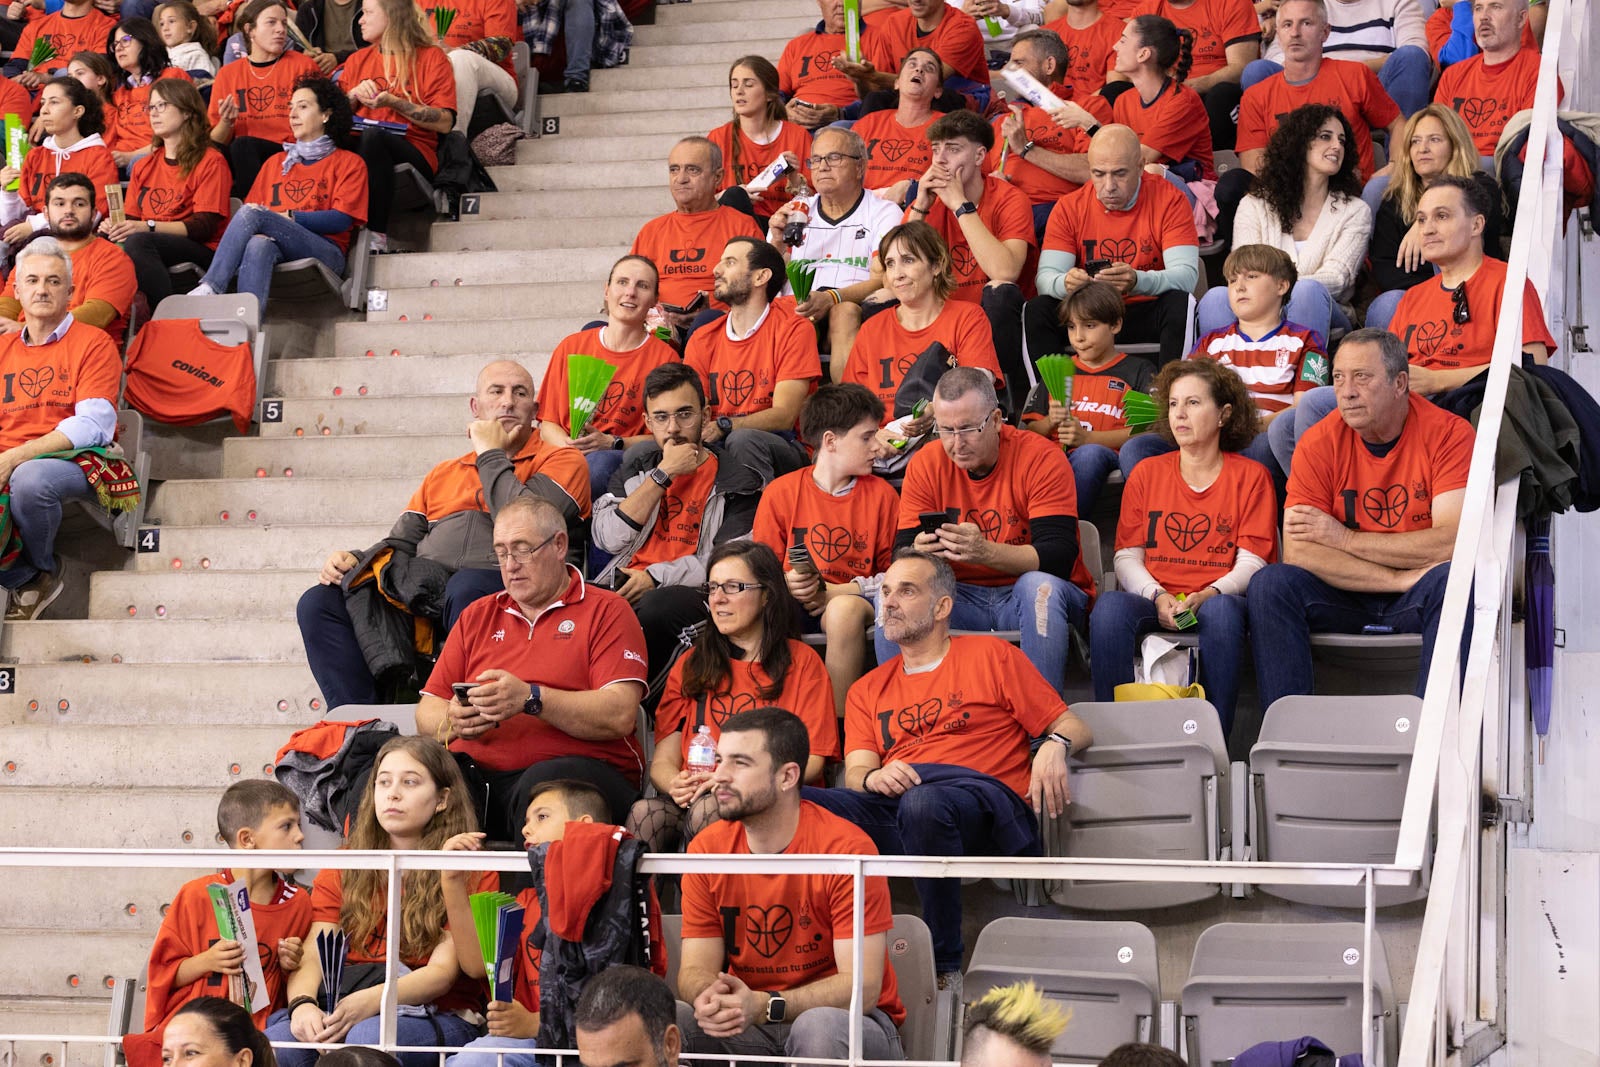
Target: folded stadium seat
{"points": [[1155, 785], [127, 1014], [1104, 971], [1254, 982], [1328, 783], [1376, 664], [489, 111], [310, 278], [930, 1012], [672, 941]]}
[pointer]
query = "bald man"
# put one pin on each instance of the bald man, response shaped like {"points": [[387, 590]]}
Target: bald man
{"points": [[1128, 228], [439, 557]]}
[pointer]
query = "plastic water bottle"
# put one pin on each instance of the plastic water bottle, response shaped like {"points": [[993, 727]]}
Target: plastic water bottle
{"points": [[702, 751]]}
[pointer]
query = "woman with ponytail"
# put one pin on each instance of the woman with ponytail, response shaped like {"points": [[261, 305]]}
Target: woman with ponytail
{"points": [[213, 1032], [1168, 116], [1225, 36], [757, 136]]}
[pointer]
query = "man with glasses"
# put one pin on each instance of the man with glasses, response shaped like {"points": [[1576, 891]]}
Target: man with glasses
{"points": [[360, 648], [998, 504], [844, 223], [541, 681]]}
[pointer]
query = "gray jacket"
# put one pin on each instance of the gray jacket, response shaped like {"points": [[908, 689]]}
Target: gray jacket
{"points": [[614, 532]]}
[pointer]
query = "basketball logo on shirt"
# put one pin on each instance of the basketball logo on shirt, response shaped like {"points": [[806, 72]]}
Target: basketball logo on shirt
{"points": [[1386, 506], [891, 149], [988, 520], [260, 98], [768, 929], [727, 705], [737, 386], [829, 542], [1121, 249], [1186, 531], [1476, 111], [963, 264], [298, 189], [160, 201], [919, 718], [671, 508], [1427, 335], [35, 380], [613, 396]]}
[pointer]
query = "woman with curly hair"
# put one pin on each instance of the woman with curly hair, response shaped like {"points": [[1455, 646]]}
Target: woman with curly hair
{"points": [[1169, 117], [1307, 202], [1197, 524]]}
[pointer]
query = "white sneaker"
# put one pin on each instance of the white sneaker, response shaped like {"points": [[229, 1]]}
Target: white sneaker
{"points": [[203, 289]]}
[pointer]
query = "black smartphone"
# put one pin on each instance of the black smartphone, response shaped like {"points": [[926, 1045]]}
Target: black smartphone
{"points": [[1095, 266], [690, 308], [930, 521], [460, 690]]}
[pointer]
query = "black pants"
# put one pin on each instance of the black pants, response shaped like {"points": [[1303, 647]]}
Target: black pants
{"points": [[1231, 188], [245, 156], [1003, 305], [1161, 320], [664, 614], [382, 152], [501, 797], [1222, 108], [154, 253]]}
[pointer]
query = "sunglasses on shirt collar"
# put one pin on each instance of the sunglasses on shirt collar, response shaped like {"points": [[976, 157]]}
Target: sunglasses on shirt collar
{"points": [[1460, 313]]}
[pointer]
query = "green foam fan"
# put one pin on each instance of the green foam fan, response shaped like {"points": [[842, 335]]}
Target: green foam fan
{"points": [[801, 277], [1056, 373], [443, 19], [43, 52], [486, 921], [1139, 410], [587, 378]]}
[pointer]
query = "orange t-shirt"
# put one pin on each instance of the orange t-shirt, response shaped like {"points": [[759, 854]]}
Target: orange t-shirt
{"points": [[1174, 124], [894, 152], [1089, 53], [132, 126], [676, 531], [14, 99], [1434, 340], [262, 92], [955, 40], [1160, 218], [979, 709], [885, 351], [432, 84], [42, 384], [1337, 474], [1032, 480], [684, 248], [741, 376], [1098, 394], [807, 692], [67, 35], [621, 410], [41, 166], [806, 71], [1009, 215], [1216, 25], [1036, 183], [1192, 537], [477, 20], [100, 271], [753, 159], [1342, 83], [778, 930], [1487, 96], [158, 190], [850, 535], [454, 485], [337, 181], [1440, 26]]}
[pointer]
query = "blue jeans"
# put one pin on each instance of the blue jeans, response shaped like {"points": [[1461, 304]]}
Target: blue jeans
{"points": [[1011, 607], [1310, 305], [1285, 431], [1381, 311], [1406, 76], [479, 1053], [1288, 602], [1121, 618], [258, 239], [577, 26], [452, 1031], [1091, 466], [38, 489], [602, 465]]}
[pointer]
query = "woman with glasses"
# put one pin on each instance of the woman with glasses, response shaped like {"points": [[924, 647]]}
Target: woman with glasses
{"points": [[747, 658], [135, 46], [177, 199], [758, 136]]}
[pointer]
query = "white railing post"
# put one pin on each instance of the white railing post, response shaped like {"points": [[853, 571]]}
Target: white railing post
{"points": [[858, 917], [388, 1020]]}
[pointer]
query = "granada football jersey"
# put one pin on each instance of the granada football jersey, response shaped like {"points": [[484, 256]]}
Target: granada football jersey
{"points": [[1089, 52], [1008, 214], [337, 181], [1160, 218], [1288, 360], [885, 351], [1174, 124], [621, 410], [894, 152], [1191, 537], [849, 535], [807, 692], [262, 91], [1341, 83], [1425, 320]]}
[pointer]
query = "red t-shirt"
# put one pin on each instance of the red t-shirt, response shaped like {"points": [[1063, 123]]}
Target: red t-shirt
{"points": [[432, 84], [979, 709], [1487, 96], [807, 692], [1216, 25], [1089, 53], [1039, 185], [131, 104], [1007, 212], [741, 376], [1160, 218], [591, 639], [1335, 473], [685, 247], [338, 181], [262, 91], [477, 20], [955, 40], [806, 71], [676, 531], [1192, 537], [1099, 394], [621, 410], [68, 35], [753, 159], [41, 166], [885, 351], [1425, 319], [1349, 86], [1031, 480], [455, 485], [158, 190], [894, 152], [849, 536], [778, 930], [100, 271], [1275, 366], [1174, 124]]}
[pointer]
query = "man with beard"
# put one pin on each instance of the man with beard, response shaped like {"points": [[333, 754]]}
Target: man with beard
{"points": [[767, 960], [937, 744], [103, 282]]}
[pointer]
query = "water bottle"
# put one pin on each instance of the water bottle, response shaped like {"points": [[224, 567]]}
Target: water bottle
{"points": [[702, 751], [794, 231]]}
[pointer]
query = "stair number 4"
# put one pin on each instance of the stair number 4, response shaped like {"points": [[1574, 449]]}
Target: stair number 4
{"points": [[150, 539]]}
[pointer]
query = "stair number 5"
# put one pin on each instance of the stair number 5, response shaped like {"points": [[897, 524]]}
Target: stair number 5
{"points": [[272, 411], [150, 539]]}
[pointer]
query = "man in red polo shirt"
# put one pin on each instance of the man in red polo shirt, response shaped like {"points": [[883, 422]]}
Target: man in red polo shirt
{"points": [[103, 279], [556, 669]]}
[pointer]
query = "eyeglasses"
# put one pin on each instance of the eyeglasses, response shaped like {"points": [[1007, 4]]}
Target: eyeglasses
{"points": [[727, 588], [832, 159], [126, 38], [1325, 136], [683, 417], [522, 553], [945, 433], [1460, 313], [156, 107]]}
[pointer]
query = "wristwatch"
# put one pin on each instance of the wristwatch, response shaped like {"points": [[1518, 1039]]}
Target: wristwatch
{"points": [[1025, 150], [620, 443], [660, 477], [966, 208], [150, 224], [1063, 738], [725, 425], [777, 1008], [534, 705]]}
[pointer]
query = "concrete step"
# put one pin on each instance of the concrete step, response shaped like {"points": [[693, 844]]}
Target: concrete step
{"points": [[89, 758], [83, 1016], [435, 270], [698, 75], [556, 204], [616, 230], [42, 963], [517, 338], [228, 596], [605, 149], [638, 100], [758, 36], [386, 375], [476, 302], [345, 415], [539, 177], [693, 120], [687, 14], [133, 903], [287, 546], [260, 501], [365, 456], [168, 817], [116, 694], [152, 639], [721, 53]]}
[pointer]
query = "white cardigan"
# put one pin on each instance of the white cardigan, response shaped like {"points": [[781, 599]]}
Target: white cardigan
{"points": [[1332, 254]]}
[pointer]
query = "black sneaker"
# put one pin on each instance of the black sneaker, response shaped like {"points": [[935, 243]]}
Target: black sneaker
{"points": [[575, 85]]}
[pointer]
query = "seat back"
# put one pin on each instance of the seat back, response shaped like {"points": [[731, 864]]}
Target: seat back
{"points": [[1328, 784], [911, 956], [226, 318], [1153, 787], [1254, 982], [1377, 664], [404, 716], [672, 942], [1105, 972]]}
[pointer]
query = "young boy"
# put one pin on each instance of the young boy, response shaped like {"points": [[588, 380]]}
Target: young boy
{"points": [[1095, 427], [188, 959], [844, 515]]}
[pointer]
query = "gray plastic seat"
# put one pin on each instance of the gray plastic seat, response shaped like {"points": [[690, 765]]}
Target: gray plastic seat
{"points": [[311, 279], [1328, 784], [1105, 971], [925, 1035], [672, 942], [1254, 982], [1376, 664]]}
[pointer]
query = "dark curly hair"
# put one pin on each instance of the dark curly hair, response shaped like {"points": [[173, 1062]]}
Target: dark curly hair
{"points": [[1227, 390], [1282, 180], [330, 98]]}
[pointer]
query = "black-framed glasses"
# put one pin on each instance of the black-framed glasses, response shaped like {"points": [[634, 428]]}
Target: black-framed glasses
{"points": [[832, 159], [521, 553], [1460, 313], [728, 588]]}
